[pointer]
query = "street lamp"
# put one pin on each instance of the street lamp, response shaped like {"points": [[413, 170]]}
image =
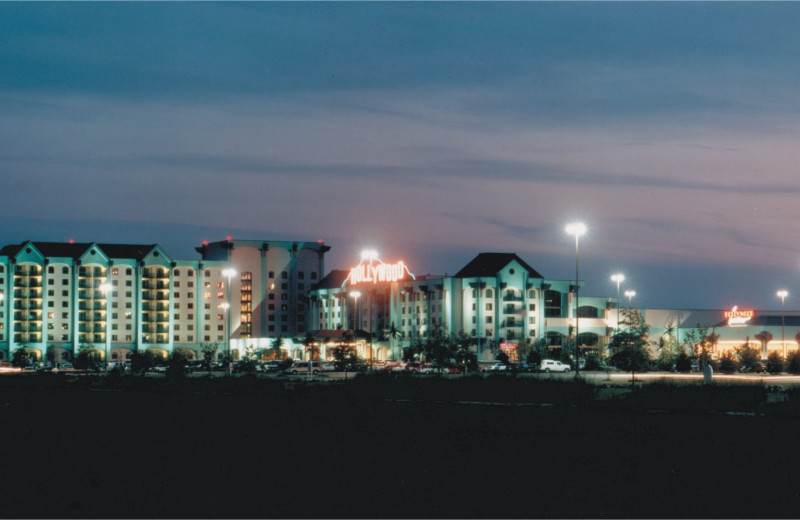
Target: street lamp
{"points": [[618, 278], [106, 288], [225, 306], [576, 229], [630, 295], [229, 273], [356, 318], [782, 295]]}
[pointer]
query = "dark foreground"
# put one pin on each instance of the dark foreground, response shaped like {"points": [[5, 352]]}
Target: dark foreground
{"points": [[360, 450]]}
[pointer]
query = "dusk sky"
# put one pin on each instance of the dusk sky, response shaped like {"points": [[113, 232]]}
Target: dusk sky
{"points": [[430, 132]]}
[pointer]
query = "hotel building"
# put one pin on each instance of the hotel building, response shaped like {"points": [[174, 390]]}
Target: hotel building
{"points": [[125, 298], [121, 298]]}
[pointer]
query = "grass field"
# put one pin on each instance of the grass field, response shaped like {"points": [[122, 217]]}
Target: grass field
{"points": [[381, 448]]}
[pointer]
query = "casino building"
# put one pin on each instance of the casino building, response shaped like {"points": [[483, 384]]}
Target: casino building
{"points": [[497, 298], [123, 298]]}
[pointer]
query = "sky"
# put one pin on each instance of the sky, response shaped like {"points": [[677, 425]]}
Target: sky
{"points": [[430, 132]]}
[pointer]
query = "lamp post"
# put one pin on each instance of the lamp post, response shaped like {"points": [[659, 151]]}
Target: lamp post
{"points": [[106, 288], [782, 295], [630, 295], [576, 229], [618, 278], [229, 273], [356, 317]]}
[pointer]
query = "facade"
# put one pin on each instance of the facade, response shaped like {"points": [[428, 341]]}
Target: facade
{"points": [[269, 289], [497, 299], [124, 298], [768, 331]]}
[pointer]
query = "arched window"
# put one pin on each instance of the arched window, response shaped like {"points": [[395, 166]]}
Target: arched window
{"points": [[489, 293], [589, 339], [587, 311], [554, 339]]}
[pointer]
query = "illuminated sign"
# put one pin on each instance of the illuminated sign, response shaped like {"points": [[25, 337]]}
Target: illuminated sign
{"points": [[737, 318], [507, 346], [374, 271]]}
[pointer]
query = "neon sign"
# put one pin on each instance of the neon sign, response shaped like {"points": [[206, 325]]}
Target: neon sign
{"points": [[737, 318], [377, 272]]}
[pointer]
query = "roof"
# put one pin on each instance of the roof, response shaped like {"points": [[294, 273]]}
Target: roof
{"points": [[76, 249], [489, 264], [332, 280]]}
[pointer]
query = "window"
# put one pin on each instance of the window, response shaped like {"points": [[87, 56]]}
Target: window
{"points": [[272, 274], [552, 304], [284, 275]]}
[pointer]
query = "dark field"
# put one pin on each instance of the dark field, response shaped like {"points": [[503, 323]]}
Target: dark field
{"points": [[244, 449]]}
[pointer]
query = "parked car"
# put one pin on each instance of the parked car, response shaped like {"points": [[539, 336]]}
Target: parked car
{"points": [[328, 367], [758, 368], [497, 367], [160, 368], [551, 365], [301, 367]]}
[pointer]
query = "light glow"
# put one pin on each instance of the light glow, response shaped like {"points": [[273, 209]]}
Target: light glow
{"points": [[619, 278], [576, 228]]}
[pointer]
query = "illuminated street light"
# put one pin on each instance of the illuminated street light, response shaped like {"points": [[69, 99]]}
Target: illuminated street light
{"points": [[630, 295], [229, 273], [576, 229], [618, 278], [782, 295], [106, 288], [356, 316]]}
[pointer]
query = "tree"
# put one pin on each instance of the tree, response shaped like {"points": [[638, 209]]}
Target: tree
{"points": [[176, 368], [629, 345], [249, 360], [277, 351], [775, 363], [702, 343], [141, 362], [392, 333], [748, 356], [683, 363], [728, 362], [312, 348], [462, 352], [344, 355], [88, 358], [209, 351], [22, 357], [793, 362]]}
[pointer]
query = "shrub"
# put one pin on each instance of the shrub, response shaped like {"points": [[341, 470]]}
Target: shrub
{"points": [[728, 363], [683, 363], [775, 363], [592, 362], [793, 362]]}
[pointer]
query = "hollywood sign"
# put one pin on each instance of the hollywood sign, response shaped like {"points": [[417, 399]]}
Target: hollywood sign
{"points": [[737, 318], [378, 273]]}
